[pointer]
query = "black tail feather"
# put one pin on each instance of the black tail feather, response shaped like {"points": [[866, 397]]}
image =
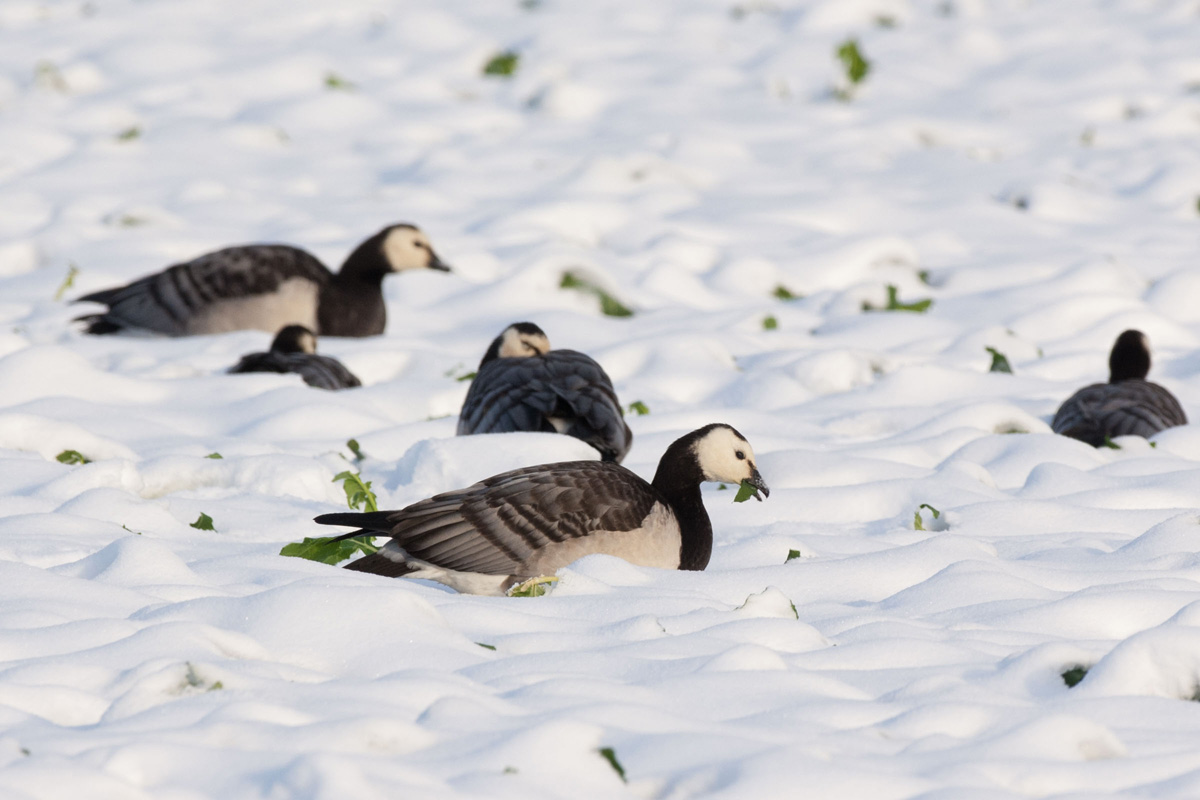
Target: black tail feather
{"points": [[370, 521], [98, 324], [381, 565]]}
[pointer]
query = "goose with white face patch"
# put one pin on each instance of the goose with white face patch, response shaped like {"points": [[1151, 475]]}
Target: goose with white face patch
{"points": [[266, 287], [1128, 405], [523, 385], [294, 350], [531, 522]]}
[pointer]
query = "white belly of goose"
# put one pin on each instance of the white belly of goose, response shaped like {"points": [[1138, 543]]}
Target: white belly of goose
{"points": [[655, 544], [293, 303]]}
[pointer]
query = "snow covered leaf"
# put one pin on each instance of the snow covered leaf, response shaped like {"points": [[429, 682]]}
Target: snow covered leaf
{"points": [[918, 525], [327, 551], [72, 457], [999, 361], [610, 756], [203, 523], [68, 282], [353, 446], [534, 587], [503, 64], [337, 82], [769, 323], [792, 554], [214, 455], [639, 408], [783, 293], [1074, 675], [894, 304], [853, 62], [609, 305]]}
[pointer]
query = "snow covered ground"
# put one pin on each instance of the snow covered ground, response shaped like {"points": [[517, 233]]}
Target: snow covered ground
{"points": [[1032, 168]]}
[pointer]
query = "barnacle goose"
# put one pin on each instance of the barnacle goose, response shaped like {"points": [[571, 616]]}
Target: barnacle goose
{"points": [[265, 287], [295, 350], [530, 522], [1128, 405], [523, 385]]}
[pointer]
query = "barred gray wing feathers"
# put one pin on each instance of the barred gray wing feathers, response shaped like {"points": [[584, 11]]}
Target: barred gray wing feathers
{"points": [[319, 371], [495, 526], [1126, 408], [532, 394], [166, 300]]}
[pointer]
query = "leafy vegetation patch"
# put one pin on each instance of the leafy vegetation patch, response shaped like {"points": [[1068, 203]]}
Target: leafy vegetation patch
{"points": [[999, 361], [894, 304], [203, 523], [336, 82], [855, 68], [1074, 675], [503, 64], [327, 551], [68, 282], [358, 492], [609, 305], [610, 756], [918, 524], [534, 587]]}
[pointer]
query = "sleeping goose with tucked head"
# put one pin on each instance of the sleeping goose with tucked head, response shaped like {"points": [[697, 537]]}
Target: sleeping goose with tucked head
{"points": [[533, 521], [523, 385], [295, 350], [1128, 405], [265, 287]]}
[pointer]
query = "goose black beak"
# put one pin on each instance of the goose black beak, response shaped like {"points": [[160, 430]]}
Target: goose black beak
{"points": [[756, 480], [437, 264]]}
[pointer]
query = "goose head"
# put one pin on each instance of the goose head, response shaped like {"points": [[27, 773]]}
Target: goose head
{"points": [[407, 247], [1130, 357], [519, 340], [294, 339], [722, 454]]}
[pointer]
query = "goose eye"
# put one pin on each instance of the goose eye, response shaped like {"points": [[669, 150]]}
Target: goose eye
{"points": [[740, 455]]}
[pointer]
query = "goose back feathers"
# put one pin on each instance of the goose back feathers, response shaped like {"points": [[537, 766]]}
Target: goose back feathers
{"points": [[523, 385], [533, 521], [266, 287], [295, 350], [1128, 405]]}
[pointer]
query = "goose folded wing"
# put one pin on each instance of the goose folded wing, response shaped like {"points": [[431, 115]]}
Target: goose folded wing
{"points": [[508, 395], [1139, 408], [165, 300], [495, 526], [582, 385]]}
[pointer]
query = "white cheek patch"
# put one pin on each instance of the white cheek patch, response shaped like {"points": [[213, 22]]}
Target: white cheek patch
{"points": [[514, 344], [401, 252], [717, 455]]}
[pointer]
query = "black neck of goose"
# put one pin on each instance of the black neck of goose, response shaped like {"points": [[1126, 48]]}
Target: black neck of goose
{"points": [[678, 481], [1129, 358], [367, 264]]}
